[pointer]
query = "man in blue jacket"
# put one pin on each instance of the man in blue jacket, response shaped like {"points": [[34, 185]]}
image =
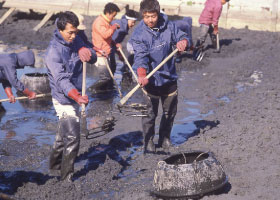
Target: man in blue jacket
{"points": [[126, 23], [152, 41], [9, 63], [63, 59], [185, 25]]}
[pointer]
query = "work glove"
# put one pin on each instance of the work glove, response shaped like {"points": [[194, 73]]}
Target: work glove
{"points": [[142, 72], [30, 94], [84, 54], [115, 26], [182, 45], [10, 95], [76, 96], [216, 30]]}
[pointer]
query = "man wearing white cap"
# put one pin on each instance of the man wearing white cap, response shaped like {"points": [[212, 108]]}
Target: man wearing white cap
{"points": [[126, 22]]}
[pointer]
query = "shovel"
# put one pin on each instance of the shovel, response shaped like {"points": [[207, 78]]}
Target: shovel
{"points": [[83, 123], [129, 66], [21, 98], [124, 99]]}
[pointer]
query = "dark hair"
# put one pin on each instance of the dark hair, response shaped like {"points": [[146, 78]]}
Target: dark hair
{"points": [[131, 13], [110, 8], [227, 0], [67, 17], [149, 6]]}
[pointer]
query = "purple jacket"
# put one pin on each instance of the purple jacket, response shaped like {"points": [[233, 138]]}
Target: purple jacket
{"points": [[211, 12], [65, 67]]}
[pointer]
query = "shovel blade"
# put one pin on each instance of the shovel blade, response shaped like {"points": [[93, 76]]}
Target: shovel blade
{"points": [[83, 125]]}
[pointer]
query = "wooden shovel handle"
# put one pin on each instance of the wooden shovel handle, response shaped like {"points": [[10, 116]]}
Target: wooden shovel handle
{"points": [[128, 95], [21, 98], [84, 86]]}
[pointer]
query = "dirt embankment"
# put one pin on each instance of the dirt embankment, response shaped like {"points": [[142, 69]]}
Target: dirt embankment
{"points": [[237, 97]]}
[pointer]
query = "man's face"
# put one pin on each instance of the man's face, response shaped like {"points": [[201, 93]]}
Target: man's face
{"points": [[111, 16], [150, 19], [130, 23], [69, 33]]}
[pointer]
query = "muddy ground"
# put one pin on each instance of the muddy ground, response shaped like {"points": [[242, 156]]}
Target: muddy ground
{"points": [[233, 97]]}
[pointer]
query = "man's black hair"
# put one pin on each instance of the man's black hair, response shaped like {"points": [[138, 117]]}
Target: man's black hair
{"points": [[149, 6], [131, 13], [110, 8], [67, 17]]}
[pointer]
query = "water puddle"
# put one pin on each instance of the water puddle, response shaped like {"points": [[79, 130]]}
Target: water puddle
{"points": [[186, 127]]}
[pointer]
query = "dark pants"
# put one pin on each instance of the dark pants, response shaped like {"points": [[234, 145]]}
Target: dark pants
{"points": [[169, 100]]}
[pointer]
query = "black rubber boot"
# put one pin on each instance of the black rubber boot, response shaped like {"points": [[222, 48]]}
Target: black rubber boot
{"points": [[150, 146], [57, 149], [148, 124], [169, 112], [71, 146]]}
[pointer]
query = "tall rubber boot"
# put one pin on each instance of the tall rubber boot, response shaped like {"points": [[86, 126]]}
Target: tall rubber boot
{"points": [[71, 146], [169, 112], [57, 149], [148, 125]]}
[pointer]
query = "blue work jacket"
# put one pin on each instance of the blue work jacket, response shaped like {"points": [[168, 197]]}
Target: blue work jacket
{"points": [[8, 72], [120, 33], [185, 25], [153, 46], [65, 67]]}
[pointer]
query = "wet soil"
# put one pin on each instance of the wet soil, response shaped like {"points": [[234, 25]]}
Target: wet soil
{"points": [[228, 105]]}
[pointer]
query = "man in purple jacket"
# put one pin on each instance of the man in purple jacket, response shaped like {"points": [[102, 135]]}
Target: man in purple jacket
{"points": [[63, 59], [152, 41], [208, 21], [9, 63]]}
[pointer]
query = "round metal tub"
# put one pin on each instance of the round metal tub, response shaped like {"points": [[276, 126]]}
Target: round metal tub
{"points": [[188, 174]]}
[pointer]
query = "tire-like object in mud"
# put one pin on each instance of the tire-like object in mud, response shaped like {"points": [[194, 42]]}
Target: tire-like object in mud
{"points": [[37, 82], [188, 174]]}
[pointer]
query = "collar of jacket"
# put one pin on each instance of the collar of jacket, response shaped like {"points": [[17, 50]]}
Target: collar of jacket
{"points": [[161, 24], [106, 18], [58, 37]]}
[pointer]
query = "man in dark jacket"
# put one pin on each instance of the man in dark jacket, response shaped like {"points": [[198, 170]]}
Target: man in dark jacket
{"points": [[152, 41], [9, 63], [64, 58]]}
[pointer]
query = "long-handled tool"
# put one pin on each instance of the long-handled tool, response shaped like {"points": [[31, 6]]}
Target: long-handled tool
{"points": [[124, 99], [218, 44], [83, 122], [135, 108], [21, 98], [108, 68], [112, 76]]}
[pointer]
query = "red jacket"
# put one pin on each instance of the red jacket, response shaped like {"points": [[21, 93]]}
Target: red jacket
{"points": [[102, 33], [211, 12]]}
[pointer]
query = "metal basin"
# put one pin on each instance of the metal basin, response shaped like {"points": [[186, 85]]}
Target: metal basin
{"points": [[188, 174]]}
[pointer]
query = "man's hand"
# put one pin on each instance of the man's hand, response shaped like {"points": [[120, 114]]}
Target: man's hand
{"points": [[115, 26], [142, 72], [216, 30], [30, 94], [182, 45], [10, 95], [76, 96], [103, 53], [84, 54]]}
